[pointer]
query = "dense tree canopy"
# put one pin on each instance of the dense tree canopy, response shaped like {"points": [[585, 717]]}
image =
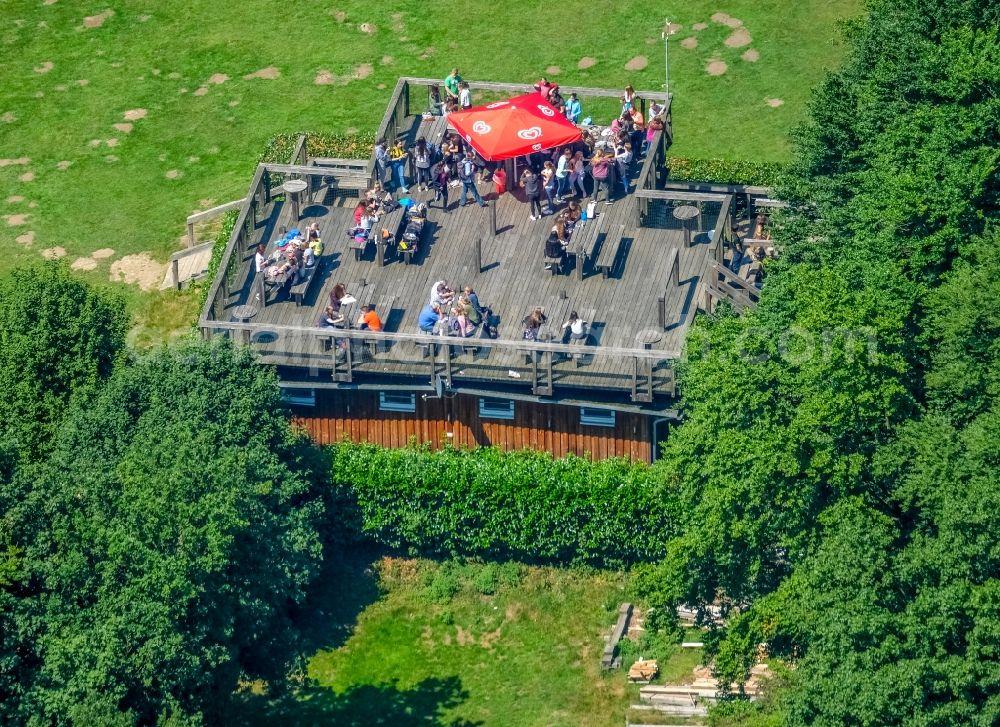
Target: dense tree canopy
{"points": [[845, 509], [59, 338], [165, 544]]}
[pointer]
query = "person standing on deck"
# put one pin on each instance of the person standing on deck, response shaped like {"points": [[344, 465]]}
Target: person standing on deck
{"points": [[397, 157], [451, 84], [467, 173], [381, 160], [572, 109], [464, 95], [532, 190], [562, 174]]}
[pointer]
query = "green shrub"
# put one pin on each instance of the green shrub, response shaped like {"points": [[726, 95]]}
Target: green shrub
{"points": [[344, 146], [507, 505], [725, 171], [486, 579], [218, 248]]}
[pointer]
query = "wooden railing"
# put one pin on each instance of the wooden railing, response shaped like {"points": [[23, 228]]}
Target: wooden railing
{"points": [[646, 373], [208, 215], [393, 120]]}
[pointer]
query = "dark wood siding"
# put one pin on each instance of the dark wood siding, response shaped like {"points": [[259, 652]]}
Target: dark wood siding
{"points": [[553, 428]]}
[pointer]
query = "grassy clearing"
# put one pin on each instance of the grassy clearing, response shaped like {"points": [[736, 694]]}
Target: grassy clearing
{"points": [[183, 67], [431, 643]]}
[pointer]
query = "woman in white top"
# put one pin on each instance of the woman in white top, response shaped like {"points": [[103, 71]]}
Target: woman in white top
{"points": [[260, 261], [623, 156], [575, 329]]}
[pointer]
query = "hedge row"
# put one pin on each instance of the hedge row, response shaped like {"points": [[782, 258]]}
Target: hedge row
{"points": [[522, 505], [342, 146], [725, 171]]}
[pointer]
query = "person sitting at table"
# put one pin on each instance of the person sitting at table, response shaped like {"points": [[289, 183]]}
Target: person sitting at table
{"points": [[531, 324], [329, 318], [460, 322], [441, 293], [473, 298], [574, 329], [573, 214], [308, 257], [369, 320], [338, 293], [471, 312], [261, 262], [555, 249], [428, 318]]}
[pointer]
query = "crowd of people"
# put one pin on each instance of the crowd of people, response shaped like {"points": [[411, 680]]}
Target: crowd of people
{"points": [[293, 254], [603, 159], [451, 314]]}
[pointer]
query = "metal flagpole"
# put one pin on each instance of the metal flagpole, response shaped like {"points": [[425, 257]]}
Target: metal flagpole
{"points": [[666, 55]]}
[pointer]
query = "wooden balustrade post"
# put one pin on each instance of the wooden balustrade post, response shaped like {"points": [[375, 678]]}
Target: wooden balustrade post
{"points": [[175, 269]]}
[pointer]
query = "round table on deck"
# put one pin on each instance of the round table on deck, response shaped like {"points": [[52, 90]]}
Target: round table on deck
{"points": [[648, 337], [243, 313], [686, 213], [293, 188], [545, 333]]}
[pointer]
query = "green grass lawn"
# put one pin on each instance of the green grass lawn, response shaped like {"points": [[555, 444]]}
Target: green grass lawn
{"points": [[446, 644], [80, 184]]}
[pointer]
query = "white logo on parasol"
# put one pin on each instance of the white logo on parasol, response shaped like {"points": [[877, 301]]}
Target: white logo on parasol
{"points": [[536, 147], [481, 127], [546, 110], [468, 138], [497, 104], [530, 134]]}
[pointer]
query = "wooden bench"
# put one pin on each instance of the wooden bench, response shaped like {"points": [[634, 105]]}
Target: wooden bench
{"points": [[393, 222], [605, 258], [299, 290], [413, 247], [584, 241], [608, 658], [359, 246]]}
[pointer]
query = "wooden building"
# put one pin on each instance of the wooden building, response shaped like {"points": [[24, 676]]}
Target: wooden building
{"points": [[638, 274]]}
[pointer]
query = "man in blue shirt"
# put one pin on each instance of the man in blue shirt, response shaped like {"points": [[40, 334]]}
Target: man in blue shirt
{"points": [[467, 174], [429, 316], [572, 109]]}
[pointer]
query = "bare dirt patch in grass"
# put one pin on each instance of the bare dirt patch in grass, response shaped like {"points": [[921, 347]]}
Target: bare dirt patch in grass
{"points": [[463, 637], [201, 91], [53, 253], [9, 117], [364, 70], [112, 142], [15, 198], [27, 177], [96, 21], [553, 70], [17, 220], [124, 127], [689, 43], [173, 174], [217, 79], [20, 161], [135, 114], [751, 56], [716, 67], [724, 19], [102, 253], [387, 60], [64, 165], [44, 67], [367, 28], [774, 102], [140, 269], [586, 62], [637, 63], [268, 74], [699, 26], [339, 15], [84, 263], [111, 158], [26, 239], [672, 28], [738, 38], [325, 78], [83, 82]]}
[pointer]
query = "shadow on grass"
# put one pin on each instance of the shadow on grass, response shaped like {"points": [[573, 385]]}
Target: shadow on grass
{"points": [[346, 586], [365, 705]]}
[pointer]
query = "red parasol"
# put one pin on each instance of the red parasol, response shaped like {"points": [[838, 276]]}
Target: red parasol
{"points": [[517, 126]]}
